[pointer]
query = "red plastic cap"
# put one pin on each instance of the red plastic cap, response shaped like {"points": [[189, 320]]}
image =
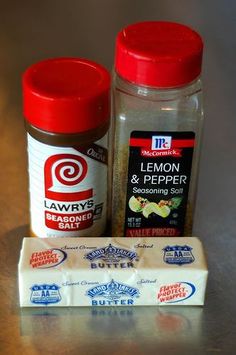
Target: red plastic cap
{"points": [[66, 95], [158, 54]]}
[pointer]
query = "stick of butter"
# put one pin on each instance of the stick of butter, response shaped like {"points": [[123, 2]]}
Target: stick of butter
{"points": [[112, 272]]}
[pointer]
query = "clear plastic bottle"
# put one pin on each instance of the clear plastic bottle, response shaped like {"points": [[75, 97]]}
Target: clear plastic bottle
{"points": [[157, 129]]}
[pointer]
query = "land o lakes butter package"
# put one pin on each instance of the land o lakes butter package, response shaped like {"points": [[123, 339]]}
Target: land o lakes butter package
{"points": [[112, 272]]}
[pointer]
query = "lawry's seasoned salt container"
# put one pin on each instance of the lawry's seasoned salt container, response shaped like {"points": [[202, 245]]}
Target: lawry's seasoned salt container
{"points": [[158, 123], [67, 112]]}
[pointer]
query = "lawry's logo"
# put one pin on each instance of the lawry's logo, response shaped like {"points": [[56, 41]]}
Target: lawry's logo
{"points": [[161, 142], [112, 290], [62, 175], [111, 254], [178, 254], [45, 294]]}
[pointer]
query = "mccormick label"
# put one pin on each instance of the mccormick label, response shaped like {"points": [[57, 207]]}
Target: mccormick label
{"points": [[158, 183], [67, 197]]}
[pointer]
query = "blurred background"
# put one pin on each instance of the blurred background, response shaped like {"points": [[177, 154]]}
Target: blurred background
{"points": [[34, 30]]}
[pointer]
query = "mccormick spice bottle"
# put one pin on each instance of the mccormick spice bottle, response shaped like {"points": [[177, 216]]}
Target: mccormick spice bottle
{"points": [[158, 124], [67, 110]]}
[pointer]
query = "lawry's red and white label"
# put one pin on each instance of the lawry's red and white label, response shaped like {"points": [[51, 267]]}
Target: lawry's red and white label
{"points": [[67, 197]]}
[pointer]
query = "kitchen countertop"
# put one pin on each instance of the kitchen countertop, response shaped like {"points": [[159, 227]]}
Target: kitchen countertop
{"points": [[31, 31]]}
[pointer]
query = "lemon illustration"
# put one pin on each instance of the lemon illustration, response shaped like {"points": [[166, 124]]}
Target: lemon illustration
{"points": [[134, 204], [150, 208], [153, 207], [164, 211]]}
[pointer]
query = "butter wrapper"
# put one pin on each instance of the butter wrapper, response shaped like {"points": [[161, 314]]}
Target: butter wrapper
{"points": [[112, 272]]}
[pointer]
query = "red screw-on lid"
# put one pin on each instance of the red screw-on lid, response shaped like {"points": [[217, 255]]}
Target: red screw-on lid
{"points": [[158, 54], [66, 95]]}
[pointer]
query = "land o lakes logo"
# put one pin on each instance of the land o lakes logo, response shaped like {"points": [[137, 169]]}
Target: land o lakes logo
{"points": [[111, 257], [113, 293], [178, 254], [45, 294]]}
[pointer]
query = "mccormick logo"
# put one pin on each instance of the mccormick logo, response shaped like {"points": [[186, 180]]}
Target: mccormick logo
{"points": [[111, 254], [113, 292], [47, 258], [45, 294], [178, 254], [161, 142]]}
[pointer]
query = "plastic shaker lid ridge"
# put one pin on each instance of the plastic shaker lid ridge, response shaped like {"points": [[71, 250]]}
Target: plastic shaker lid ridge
{"points": [[66, 95], [158, 54]]}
